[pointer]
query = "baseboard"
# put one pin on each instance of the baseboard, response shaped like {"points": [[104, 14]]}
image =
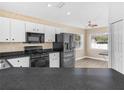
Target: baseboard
{"points": [[80, 58], [101, 59]]}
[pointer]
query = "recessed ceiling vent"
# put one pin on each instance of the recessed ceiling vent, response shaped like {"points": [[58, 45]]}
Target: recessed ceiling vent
{"points": [[60, 5]]}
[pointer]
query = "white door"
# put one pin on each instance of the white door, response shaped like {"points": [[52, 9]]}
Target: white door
{"points": [[117, 49], [17, 31], [52, 33], [4, 29], [30, 27]]}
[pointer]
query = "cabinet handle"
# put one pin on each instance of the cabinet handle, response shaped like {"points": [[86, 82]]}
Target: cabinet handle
{"points": [[18, 60], [6, 38], [13, 39]]}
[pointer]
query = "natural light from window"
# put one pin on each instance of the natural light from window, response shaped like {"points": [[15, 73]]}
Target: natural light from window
{"points": [[99, 41], [78, 41]]}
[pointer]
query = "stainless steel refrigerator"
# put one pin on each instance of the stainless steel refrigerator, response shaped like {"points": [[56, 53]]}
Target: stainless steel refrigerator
{"points": [[67, 44]]}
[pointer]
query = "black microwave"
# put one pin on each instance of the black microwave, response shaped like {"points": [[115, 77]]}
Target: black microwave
{"points": [[34, 37]]}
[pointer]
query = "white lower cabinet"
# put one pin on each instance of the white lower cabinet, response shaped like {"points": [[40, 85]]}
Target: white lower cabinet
{"points": [[20, 62], [54, 60]]}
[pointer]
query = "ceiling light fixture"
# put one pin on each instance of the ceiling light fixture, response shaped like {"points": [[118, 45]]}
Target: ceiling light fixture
{"points": [[68, 13], [49, 5]]}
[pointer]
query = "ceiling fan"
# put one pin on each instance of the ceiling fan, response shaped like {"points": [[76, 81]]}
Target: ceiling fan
{"points": [[90, 24], [57, 5]]}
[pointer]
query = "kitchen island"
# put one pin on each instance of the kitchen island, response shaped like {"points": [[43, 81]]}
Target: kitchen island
{"points": [[60, 79]]}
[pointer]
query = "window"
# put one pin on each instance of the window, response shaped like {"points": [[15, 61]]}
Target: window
{"points": [[99, 41], [78, 40]]}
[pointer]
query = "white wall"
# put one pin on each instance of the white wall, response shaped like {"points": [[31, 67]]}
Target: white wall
{"points": [[91, 52], [116, 11]]}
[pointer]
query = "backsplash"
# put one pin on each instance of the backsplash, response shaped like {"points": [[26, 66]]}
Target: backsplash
{"points": [[11, 47]]}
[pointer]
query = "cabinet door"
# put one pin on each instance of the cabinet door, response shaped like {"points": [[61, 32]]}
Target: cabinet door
{"points": [[17, 31], [52, 32], [19, 62], [54, 60], [4, 29], [39, 28], [25, 62], [15, 62], [30, 27], [57, 60], [47, 39], [49, 34]]}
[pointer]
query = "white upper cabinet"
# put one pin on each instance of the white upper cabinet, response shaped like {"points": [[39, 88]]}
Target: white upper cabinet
{"points": [[39, 28], [33, 27], [30, 27], [12, 30], [17, 31], [49, 34], [4, 29]]}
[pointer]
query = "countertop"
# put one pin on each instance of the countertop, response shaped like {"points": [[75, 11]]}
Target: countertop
{"points": [[60, 79], [9, 55]]}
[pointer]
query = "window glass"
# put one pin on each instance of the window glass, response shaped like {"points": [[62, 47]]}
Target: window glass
{"points": [[78, 40], [99, 41]]}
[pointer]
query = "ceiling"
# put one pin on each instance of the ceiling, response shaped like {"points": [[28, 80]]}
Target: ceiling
{"points": [[80, 12]]}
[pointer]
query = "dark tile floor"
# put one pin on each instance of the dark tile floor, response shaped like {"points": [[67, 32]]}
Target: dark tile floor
{"points": [[61, 79]]}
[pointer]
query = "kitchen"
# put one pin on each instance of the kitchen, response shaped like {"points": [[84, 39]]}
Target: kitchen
{"points": [[35, 35], [47, 51]]}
